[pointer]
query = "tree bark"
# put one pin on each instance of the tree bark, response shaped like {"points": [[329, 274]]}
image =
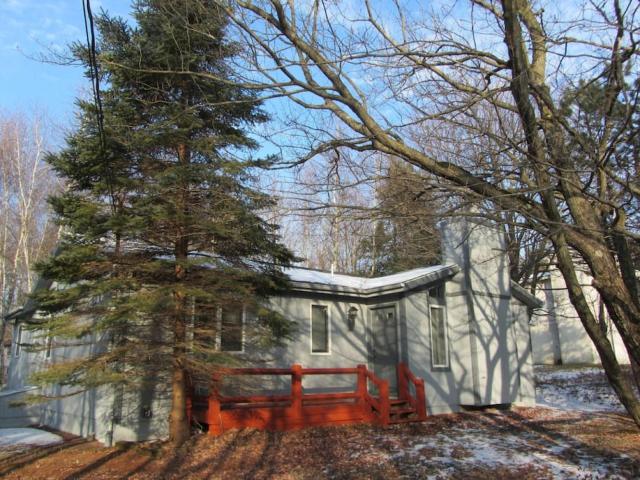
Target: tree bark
{"points": [[607, 280], [617, 378], [179, 428]]}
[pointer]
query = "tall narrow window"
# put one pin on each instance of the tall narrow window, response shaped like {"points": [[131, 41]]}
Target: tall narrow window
{"points": [[319, 329], [18, 340], [231, 333], [204, 326], [439, 353], [47, 352]]}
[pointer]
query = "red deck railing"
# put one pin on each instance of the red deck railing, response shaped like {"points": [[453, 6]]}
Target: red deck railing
{"points": [[368, 403], [417, 400]]}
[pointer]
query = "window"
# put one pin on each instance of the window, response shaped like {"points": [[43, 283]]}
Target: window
{"points": [[18, 340], [439, 350], [204, 325], [319, 329], [231, 330], [47, 352], [216, 327]]}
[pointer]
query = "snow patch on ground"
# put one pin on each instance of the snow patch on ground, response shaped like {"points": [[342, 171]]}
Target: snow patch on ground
{"points": [[582, 389], [461, 450], [27, 436], [458, 450]]}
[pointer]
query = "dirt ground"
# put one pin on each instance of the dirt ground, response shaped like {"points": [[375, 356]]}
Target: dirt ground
{"points": [[533, 443], [578, 431]]}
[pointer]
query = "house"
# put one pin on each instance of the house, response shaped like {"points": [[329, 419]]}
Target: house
{"points": [[557, 334], [462, 327]]}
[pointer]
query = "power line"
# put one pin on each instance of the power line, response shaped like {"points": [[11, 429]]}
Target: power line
{"points": [[89, 29]]}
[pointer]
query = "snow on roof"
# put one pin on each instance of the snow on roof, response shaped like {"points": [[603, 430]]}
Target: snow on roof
{"points": [[350, 282]]}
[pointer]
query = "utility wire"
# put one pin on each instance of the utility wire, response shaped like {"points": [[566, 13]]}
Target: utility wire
{"points": [[94, 73], [89, 29]]}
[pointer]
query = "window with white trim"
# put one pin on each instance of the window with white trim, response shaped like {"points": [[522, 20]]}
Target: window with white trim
{"points": [[18, 340], [231, 329], [439, 343], [49, 347], [319, 329]]}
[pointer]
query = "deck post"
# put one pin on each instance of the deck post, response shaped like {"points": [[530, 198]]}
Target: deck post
{"points": [[421, 399], [296, 394], [214, 419], [403, 387], [361, 390], [385, 403], [189, 408]]}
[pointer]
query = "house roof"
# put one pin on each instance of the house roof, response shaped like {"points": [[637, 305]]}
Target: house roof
{"points": [[303, 279]]}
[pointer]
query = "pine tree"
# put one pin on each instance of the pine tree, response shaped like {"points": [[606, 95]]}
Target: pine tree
{"points": [[405, 235], [162, 222]]}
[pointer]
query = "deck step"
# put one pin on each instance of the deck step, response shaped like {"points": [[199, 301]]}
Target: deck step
{"points": [[402, 411], [404, 420]]}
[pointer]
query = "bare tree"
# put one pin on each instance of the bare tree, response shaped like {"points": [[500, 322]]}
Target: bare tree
{"points": [[385, 74], [327, 205], [26, 232], [486, 84], [346, 213]]}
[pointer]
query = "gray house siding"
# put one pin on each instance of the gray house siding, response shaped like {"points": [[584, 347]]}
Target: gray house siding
{"points": [[480, 323], [89, 413], [443, 385], [482, 311]]}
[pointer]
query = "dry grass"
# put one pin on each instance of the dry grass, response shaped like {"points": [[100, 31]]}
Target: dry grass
{"points": [[471, 445]]}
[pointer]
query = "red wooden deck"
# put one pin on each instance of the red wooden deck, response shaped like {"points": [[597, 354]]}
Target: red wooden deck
{"points": [[298, 409]]}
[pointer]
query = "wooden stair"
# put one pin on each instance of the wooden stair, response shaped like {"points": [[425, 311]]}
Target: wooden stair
{"points": [[402, 411]]}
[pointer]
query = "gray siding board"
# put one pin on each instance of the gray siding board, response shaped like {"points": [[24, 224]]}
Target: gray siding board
{"points": [[488, 343]]}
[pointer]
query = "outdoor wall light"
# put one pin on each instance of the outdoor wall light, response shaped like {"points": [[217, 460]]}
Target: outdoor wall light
{"points": [[352, 316]]}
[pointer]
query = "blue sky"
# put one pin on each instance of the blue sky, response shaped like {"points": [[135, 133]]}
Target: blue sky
{"points": [[30, 28]]}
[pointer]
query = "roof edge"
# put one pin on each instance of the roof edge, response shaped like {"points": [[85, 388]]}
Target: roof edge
{"points": [[403, 286]]}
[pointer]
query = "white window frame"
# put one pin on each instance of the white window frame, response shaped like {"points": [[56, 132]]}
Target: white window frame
{"points": [[243, 321], [446, 337], [329, 328], [18, 342], [48, 347]]}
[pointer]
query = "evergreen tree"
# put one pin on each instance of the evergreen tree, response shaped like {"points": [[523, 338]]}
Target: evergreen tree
{"points": [[162, 223], [405, 235]]}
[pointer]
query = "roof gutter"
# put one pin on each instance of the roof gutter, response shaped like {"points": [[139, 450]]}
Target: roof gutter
{"points": [[403, 286]]}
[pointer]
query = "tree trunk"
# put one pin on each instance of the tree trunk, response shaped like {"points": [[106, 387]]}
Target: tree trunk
{"points": [[3, 359], [179, 427], [618, 380], [597, 256]]}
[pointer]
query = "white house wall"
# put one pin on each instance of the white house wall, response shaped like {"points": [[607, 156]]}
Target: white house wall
{"points": [[346, 348], [557, 333], [521, 360], [17, 387]]}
